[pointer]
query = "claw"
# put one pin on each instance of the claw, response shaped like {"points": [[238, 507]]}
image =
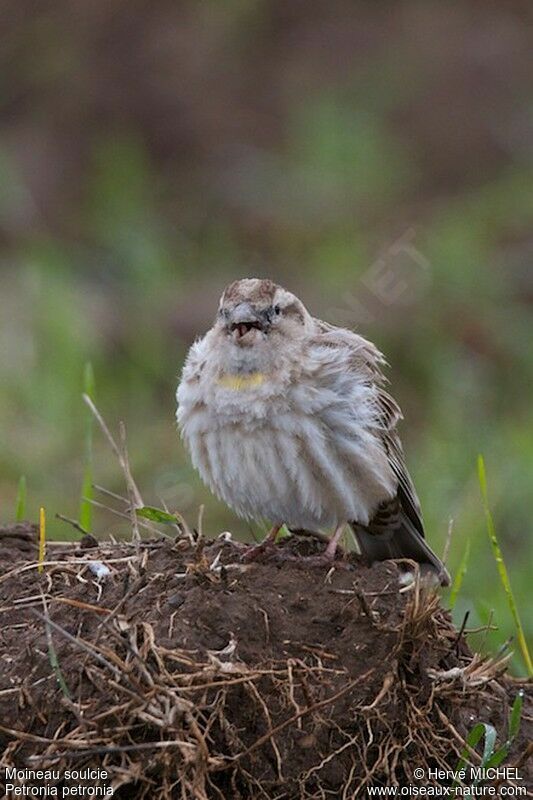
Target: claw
{"points": [[256, 551]]}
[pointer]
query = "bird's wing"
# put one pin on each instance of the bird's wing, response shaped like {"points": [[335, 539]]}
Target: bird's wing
{"points": [[367, 363]]}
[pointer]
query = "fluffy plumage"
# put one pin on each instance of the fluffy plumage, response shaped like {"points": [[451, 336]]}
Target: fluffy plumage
{"points": [[286, 419]]}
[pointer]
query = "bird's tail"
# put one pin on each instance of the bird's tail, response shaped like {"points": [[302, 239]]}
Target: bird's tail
{"points": [[400, 541]]}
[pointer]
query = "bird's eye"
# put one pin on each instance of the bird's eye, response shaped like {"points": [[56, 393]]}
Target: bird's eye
{"points": [[277, 310]]}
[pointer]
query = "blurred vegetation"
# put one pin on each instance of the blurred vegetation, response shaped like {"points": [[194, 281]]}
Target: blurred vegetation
{"points": [[374, 158]]}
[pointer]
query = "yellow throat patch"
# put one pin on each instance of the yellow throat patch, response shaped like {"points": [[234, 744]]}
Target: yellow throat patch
{"points": [[240, 382]]}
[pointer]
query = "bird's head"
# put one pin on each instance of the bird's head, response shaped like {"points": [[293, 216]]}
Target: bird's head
{"points": [[255, 313]]}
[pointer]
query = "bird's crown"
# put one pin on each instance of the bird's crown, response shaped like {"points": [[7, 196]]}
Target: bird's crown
{"points": [[253, 290]]}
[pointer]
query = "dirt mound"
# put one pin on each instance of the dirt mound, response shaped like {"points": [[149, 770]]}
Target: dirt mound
{"points": [[186, 673]]}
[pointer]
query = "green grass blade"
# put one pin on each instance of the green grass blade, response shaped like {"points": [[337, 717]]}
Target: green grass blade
{"points": [[490, 742], [502, 569], [156, 515], [42, 538], [497, 758], [85, 514], [480, 730], [493, 758], [54, 663], [459, 575], [86, 511], [20, 507], [513, 728], [516, 715], [52, 654]]}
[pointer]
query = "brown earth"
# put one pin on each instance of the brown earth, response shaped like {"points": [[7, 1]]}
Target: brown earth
{"points": [[187, 673]]}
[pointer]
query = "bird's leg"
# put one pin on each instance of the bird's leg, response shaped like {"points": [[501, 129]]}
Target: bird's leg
{"points": [[331, 549], [267, 543], [326, 558]]}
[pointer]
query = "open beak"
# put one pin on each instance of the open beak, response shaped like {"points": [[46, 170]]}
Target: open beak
{"points": [[243, 319]]}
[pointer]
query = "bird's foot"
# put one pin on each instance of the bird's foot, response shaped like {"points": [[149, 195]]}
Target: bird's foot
{"points": [[329, 556], [266, 547], [256, 551]]}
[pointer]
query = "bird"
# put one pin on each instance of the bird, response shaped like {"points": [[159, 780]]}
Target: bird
{"points": [[286, 419]]}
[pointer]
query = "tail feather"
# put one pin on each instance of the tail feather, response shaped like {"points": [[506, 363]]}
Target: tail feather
{"points": [[399, 541]]}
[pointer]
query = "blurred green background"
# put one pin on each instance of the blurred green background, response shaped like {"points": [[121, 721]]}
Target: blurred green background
{"points": [[376, 158]]}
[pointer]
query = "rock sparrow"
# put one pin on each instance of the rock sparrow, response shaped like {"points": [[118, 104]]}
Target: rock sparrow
{"points": [[286, 419]]}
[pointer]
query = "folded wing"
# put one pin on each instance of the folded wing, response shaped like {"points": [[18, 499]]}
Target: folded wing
{"points": [[396, 529]]}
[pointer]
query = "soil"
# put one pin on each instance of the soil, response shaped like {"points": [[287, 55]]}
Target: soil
{"points": [[186, 672]]}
